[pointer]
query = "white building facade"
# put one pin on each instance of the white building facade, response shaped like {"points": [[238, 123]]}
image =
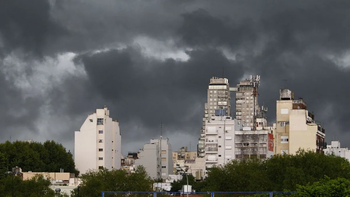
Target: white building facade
{"points": [[334, 148], [219, 141], [157, 158], [98, 143]]}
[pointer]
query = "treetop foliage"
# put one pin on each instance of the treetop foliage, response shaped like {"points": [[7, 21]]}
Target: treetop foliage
{"points": [[37, 157], [94, 182], [279, 173]]}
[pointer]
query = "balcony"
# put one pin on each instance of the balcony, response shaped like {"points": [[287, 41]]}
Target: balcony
{"points": [[211, 150], [211, 132]]}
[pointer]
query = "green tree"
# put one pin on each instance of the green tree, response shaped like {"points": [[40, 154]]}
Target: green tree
{"points": [[94, 182], [15, 186], [326, 188], [37, 157], [279, 173]]}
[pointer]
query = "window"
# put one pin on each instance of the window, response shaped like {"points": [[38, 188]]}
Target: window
{"points": [[284, 139], [219, 146], [100, 141], [163, 166], [100, 158], [100, 131], [219, 155], [100, 149], [163, 151], [219, 136], [163, 158], [91, 120], [284, 111], [99, 121], [100, 167]]}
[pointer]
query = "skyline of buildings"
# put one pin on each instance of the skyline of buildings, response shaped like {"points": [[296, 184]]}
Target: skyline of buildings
{"points": [[225, 134]]}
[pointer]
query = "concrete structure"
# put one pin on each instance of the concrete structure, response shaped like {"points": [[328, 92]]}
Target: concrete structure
{"points": [[98, 143], [334, 149], [218, 97], [295, 126], [256, 143], [157, 158], [247, 107], [219, 140]]}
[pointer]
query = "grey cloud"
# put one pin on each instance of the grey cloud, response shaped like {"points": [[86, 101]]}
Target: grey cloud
{"points": [[278, 40], [27, 26], [148, 89]]}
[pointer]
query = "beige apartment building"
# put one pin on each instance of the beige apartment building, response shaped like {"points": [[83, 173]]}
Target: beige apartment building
{"points": [[296, 127], [218, 97]]}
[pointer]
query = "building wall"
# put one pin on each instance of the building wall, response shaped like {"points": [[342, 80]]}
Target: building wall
{"points": [[166, 157], [301, 135], [335, 149], [158, 164], [295, 126], [219, 141], [63, 176], [85, 145], [149, 159], [98, 145]]}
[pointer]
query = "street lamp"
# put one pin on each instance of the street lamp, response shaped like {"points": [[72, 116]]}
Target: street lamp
{"points": [[178, 168]]}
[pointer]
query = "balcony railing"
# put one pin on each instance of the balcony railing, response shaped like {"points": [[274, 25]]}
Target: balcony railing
{"points": [[211, 149]]}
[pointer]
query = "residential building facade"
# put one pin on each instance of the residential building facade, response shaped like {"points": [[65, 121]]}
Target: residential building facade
{"points": [[296, 127], [218, 97], [335, 149], [157, 158], [219, 140], [98, 143]]}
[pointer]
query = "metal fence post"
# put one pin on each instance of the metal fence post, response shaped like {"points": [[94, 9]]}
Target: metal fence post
{"points": [[271, 194], [103, 194], [212, 194], [155, 194]]}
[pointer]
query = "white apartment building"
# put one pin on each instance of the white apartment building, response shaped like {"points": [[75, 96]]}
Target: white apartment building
{"points": [[218, 97], [219, 141], [334, 148], [157, 158], [98, 143]]}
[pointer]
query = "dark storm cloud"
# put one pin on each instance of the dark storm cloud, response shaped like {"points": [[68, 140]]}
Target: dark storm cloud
{"points": [[279, 40], [19, 113], [27, 25], [200, 28], [148, 90]]}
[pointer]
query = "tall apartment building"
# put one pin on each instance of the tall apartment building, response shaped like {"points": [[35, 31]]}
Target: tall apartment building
{"points": [[219, 140], [296, 127], [98, 143], [218, 97], [157, 159], [247, 107]]}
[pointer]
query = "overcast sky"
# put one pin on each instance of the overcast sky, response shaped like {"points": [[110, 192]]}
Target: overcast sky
{"points": [[151, 61]]}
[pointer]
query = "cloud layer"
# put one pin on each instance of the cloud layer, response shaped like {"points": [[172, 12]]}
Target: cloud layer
{"points": [[150, 62]]}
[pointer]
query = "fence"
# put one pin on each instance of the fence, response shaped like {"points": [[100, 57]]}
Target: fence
{"points": [[197, 194]]}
